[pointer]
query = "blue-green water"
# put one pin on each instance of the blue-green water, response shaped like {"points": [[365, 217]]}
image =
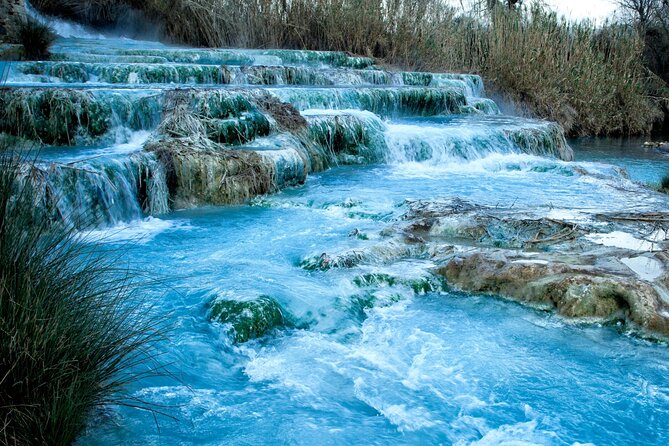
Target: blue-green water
{"points": [[430, 369], [644, 164], [435, 368]]}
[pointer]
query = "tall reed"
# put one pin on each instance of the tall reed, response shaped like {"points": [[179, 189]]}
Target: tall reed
{"points": [[73, 332]]}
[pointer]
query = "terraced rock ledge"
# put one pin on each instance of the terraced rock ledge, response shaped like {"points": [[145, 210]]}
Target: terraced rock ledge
{"points": [[130, 128]]}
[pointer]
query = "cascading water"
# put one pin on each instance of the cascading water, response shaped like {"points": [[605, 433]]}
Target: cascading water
{"points": [[364, 346]]}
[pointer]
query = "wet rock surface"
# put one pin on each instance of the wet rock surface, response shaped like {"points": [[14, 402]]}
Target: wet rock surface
{"points": [[603, 268], [246, 320], [11, 11], [580, 269]]}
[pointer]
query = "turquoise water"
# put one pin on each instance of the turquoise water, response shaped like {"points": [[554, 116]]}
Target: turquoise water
{"points": [[644, 164], [444, 368], [405, 368]]}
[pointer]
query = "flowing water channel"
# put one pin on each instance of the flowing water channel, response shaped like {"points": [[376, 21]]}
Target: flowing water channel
{"points": [[360, 362]]}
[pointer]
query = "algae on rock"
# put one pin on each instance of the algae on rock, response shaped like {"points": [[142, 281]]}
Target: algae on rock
{"points": [[198, 173], [57, 117], [249, 319]]}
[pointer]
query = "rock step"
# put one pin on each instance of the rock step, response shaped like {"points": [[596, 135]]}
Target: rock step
{"points": [[76, 116], [115, 49], [170, 73]]}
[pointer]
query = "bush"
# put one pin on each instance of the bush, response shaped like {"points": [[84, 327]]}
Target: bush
{"points": [[71, 333], [35, 37]]}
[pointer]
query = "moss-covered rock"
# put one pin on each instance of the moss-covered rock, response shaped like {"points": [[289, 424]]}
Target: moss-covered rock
{"points": [[359, 304], [241, 130], [664, 185], [546, 140], [325, 262], [385, 252], [417, 79], [248, 320], [419, 285], [349, 139], [199, 172], [56, 117]]}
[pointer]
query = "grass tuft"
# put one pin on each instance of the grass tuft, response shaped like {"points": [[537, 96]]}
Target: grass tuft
{"points": [[73, 333], [35, 37]]}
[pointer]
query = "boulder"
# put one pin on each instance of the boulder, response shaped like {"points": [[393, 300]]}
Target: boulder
{"points": [[246, 320], [574, 291]]}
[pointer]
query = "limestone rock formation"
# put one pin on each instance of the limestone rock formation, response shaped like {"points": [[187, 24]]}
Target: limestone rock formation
{"points": [[11, 11]]}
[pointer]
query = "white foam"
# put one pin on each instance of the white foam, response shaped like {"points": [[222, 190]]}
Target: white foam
{"points": [[624, 240], [134, 142], [531, 262], [266, 60], [568, 215], [361, 114], [127, 142], [138, 231], [659, 235], [520, 434], [645, 267], [407, 419], [498, 163]]}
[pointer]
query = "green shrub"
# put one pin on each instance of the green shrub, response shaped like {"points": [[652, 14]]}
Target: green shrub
{"points": [[35, 37], [72, 333]]}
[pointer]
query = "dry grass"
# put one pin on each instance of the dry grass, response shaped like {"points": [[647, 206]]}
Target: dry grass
{"points": [[589, 79], [287, 117]]}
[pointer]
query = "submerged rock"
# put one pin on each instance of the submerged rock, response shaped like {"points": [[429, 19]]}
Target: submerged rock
{"points": [[249, 319]]}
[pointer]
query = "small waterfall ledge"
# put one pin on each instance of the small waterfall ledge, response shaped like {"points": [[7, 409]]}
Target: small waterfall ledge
{"points": [[228, 125]]}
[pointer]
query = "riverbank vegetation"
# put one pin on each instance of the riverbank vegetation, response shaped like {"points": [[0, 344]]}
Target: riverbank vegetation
{"points": [[590, 79], [72, 334], [35, 39], [650, 18]]}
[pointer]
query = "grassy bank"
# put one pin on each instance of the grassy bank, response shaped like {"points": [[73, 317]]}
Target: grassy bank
{"points": [[71, 333], [591, 80]]}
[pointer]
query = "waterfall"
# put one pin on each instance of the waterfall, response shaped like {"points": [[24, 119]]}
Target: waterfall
{"points": [[220, 126], [63, 28]]}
